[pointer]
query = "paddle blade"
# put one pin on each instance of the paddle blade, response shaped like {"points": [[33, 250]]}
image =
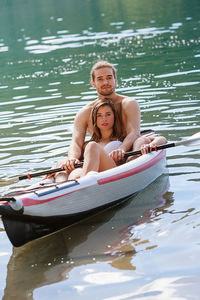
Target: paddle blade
{"points": [[4, 182], [194, 140]]}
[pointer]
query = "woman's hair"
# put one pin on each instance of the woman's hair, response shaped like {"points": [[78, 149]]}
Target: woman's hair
{"points": [[117, 132]]}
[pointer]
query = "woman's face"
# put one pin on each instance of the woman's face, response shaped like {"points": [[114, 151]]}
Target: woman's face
{"points": [[105, 118]]}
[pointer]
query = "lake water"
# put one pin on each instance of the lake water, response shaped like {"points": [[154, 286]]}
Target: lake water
{"points": [[147, 248]]}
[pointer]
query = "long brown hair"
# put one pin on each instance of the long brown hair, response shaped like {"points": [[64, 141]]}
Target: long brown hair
{"points": [[117, 133]]}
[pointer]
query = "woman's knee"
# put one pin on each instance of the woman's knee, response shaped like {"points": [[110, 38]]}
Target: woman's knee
{"points": [[141, 141], [92, 147], [75, 174], [61, 177]]}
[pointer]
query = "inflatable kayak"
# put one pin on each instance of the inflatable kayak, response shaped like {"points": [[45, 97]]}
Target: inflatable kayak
{"points": [[45, 208], [71, 201]]}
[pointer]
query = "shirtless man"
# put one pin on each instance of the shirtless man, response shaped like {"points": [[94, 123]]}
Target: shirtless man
{"points": [[104, 80]]}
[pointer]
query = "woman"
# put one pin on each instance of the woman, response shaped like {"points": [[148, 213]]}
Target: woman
{"points": [[98, 153]]}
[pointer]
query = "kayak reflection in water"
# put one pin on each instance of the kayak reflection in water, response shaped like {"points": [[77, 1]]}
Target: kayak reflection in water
{"points": [[104, 80]]}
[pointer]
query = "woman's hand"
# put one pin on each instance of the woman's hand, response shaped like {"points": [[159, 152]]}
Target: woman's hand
{"points": [[66, 164], [117, 155], [147, 148], [69, 163]]}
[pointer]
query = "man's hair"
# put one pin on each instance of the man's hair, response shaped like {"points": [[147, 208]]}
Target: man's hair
{"points": [[102, 64]]}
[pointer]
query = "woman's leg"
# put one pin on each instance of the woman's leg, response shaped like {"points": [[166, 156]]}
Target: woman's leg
{"points": [[142, 140], [75, 174], [95, 159], [60, 176], [145, 143], [138, 145]]}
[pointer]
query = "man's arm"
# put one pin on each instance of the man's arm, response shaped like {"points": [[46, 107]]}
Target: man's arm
{"points": [[131, 111], [78, 138], [131, 114]]}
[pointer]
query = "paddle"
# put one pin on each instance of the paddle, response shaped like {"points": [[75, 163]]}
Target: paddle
{"points": [[194, 140]]}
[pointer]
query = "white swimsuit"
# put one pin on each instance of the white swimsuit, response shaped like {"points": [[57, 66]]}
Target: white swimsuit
{"points": [[112, 146]]}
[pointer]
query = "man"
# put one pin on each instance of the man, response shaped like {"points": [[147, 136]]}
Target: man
{"points": [[104, 80]]}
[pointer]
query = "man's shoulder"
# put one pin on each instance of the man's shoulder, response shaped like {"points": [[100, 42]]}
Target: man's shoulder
{"points": [[86, 109], [84, 114], [128, 101]]}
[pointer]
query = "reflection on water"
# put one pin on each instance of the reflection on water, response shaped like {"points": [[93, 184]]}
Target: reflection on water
{"points": [[109, 236], [46, 51]]}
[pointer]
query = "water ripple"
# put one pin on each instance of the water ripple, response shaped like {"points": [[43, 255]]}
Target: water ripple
{"points": [[63, 41], [177, 73]]}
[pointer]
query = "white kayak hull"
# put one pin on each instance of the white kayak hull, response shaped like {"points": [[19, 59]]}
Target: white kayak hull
{"points": [[71, 201]]}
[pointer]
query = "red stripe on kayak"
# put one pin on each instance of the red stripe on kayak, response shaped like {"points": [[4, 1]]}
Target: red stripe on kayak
{"points": [[30, 202], [134, 171]]}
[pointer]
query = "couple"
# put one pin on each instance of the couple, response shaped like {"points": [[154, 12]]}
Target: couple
{"points": [[111, 120]]}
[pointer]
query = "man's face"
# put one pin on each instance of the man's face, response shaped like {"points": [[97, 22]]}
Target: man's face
{"points": [[104, 81]]}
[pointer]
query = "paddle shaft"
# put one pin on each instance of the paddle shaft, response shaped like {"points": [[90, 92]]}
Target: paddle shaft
{"points": [[51, 171], [131, 153], [127, 154], [192, 141]]}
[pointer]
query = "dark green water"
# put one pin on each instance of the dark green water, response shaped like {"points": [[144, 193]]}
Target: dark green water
{"points": [[148, 248]]}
